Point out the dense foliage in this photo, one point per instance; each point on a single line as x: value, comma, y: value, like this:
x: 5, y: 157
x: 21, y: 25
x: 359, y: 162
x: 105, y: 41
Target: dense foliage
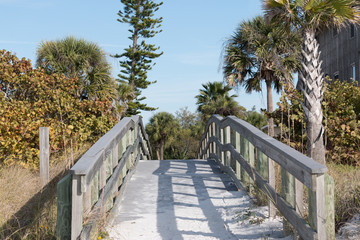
x: 261, y: 52
x: 162, y: 128
x: 215, y: 98
x: 342, y: 121
x: 136, y: 60
x: 175, y: 137
x: 30, y: 98
x: 81, y: 60
x: 256, y: 119
x: 185, y: 143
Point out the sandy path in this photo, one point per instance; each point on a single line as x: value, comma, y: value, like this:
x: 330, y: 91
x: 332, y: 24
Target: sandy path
x: 187, y: 199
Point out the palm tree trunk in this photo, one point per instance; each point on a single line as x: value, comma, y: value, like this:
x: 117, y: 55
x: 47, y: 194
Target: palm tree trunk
x: 162, y: 143
x: 270, y: 107
x: 158, y: 153
x: 311, y: 84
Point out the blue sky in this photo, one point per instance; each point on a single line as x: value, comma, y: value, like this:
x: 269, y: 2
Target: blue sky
x: 193, y: 35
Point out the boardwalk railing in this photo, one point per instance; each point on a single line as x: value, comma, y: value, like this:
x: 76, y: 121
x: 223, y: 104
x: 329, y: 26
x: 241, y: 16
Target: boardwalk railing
x: 95, y: 181
x: 248, y: 156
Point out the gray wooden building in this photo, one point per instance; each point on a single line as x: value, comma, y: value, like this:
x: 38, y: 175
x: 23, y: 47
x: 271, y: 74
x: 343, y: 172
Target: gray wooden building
x: 340, y: 53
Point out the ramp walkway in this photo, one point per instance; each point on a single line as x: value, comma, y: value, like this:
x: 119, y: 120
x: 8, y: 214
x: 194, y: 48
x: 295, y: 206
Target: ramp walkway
x: 187, y: 199
x: 195, y: 199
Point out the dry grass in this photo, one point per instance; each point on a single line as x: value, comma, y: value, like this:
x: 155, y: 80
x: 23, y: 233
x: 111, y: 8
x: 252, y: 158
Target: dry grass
x: 26, y: 210
x: 347, y: 191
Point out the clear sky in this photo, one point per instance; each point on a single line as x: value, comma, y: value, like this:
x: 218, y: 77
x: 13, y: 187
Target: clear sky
x: 192, y: 39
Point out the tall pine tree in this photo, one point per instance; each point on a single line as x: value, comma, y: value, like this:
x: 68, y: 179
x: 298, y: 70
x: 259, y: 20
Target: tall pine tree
x: 137, y: 59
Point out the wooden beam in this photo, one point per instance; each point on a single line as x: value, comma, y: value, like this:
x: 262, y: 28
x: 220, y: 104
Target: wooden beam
x: 76, y: 207
x: 44, y: 155
x: 297, y: 164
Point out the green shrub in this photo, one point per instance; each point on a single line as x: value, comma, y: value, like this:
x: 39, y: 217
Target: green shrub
x: 341, y: 106
x: 30, y: 99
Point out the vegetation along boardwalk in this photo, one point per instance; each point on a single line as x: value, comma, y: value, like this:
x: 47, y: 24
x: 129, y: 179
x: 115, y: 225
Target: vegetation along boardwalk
x: 187, y: 199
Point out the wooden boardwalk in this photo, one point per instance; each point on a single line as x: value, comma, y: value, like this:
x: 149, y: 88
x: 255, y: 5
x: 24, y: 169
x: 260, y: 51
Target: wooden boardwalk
x: 192, y: 199
x: 187, y: 199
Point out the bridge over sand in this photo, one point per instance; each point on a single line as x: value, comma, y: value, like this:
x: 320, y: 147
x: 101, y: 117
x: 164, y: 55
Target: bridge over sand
x: 115, y: 184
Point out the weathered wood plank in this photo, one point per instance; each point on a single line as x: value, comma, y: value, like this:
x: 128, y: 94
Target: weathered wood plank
x: 233, y: 143
x: 288, y: 193
x: 304, y: 230
x: 304, y: 169
x: 227, y: 140
x: 96, y: 213
x: 64, y: 201
x: 238, y: 149
x: 244, y: 151
x: 76, y: 207
x: 115, y: 155
x: 299, y: 165
x: 93, y: 178
x: 44, y: 155
x: 317, y: 214
x: 330, y: 206
x: 251, y: 161
x: 90, y: 162
x: 272, y: 182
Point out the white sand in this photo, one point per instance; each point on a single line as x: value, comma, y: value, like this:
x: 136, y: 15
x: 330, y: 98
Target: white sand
x: 188, y: 200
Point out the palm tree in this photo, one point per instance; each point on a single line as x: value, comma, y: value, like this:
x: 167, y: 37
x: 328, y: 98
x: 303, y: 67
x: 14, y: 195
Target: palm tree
x: 308, y: 17
x: 161, y: 128
x: 77, y: 58
x: 214, y: 98
x: 260, y: 52
x: 125, y: 94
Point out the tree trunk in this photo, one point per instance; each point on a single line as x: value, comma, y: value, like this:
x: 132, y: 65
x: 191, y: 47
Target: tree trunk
x: 157, y: 153
x: 270, y: 109
x: 133, y: 60
x: 134, y: 49
x: 311, y: 85
x: 162, y: 143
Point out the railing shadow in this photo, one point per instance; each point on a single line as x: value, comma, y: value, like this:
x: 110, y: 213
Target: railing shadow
x: 187, y: 196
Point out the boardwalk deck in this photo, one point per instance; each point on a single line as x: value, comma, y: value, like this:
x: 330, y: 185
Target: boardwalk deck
x: 187, y: 199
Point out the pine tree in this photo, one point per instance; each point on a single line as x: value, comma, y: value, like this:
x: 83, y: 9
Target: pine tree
x: 137, y: 59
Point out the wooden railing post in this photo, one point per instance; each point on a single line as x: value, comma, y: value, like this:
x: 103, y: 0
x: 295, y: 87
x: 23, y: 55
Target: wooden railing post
x: 218, y: 136
x: 321, y: 207
x: 44, y: 155
x: 227, y: 139
x: 317, y: 214
x: 238, y: 149
x: 252, y: 164
x: 222, y: 140
x: 272, y: 182
x: 288, y: 193
x: 244, y: 151
x: 299, y: 195
x: 77, y: 207
x: 330, y: 206
x: 94, y: 180
x: 213, y: 134
x: 207, y: 140
x: 233, y: 143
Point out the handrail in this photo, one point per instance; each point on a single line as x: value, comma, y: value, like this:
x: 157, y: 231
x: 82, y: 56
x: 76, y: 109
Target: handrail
x: 94, y: 181
x: 221, y: 141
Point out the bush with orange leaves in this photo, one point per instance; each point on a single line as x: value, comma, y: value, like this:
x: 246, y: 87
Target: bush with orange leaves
x: 30, y: 99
